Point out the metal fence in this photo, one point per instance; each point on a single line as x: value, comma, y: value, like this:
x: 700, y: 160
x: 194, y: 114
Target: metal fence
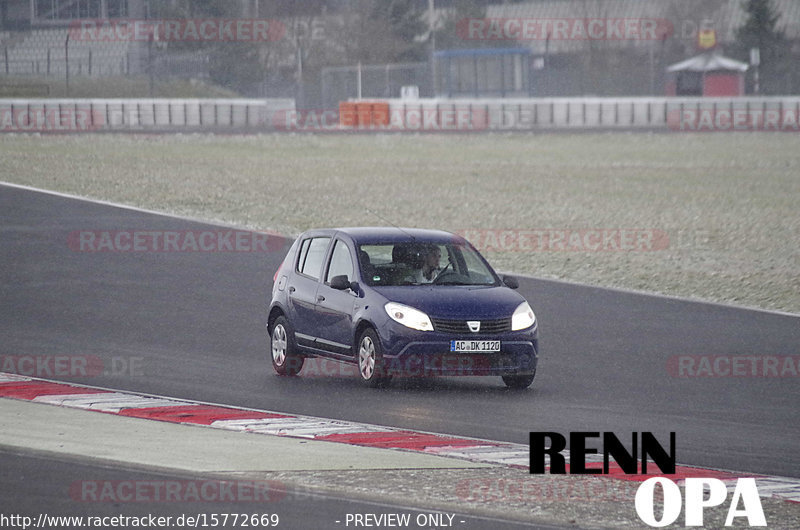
x: 82, y: 63
x: 373, y: 81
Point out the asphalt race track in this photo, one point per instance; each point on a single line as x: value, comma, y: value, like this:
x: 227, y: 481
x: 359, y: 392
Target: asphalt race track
x: 44, y: 476
x: 191, y: 324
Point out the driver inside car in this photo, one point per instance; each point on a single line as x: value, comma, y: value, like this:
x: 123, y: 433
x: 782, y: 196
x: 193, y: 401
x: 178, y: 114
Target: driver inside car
x: 431, y: 256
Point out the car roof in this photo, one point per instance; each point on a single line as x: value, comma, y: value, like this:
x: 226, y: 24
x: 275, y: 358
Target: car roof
x: 391, y: 234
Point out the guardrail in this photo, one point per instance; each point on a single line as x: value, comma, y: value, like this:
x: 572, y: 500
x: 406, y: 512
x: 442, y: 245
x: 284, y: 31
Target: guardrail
x: 397, y: 115
x: 541, y: 114
x: 157, y: 115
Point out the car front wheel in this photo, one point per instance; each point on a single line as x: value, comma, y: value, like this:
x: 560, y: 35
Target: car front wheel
x: 285, y: 359
x: 519, y: 382
x: 370, y: 360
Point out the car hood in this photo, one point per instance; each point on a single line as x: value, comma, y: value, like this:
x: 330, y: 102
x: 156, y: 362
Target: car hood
x: 456, y: 302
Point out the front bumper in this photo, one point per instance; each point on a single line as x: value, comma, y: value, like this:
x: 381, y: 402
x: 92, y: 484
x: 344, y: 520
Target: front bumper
x: 408, y: 352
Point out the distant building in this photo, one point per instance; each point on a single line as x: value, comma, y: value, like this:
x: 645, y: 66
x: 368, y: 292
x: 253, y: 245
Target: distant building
x: 708, y: 74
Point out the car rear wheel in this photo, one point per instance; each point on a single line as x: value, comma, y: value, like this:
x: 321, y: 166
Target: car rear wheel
x: 519, y: 382
x: 285, y: 359
x: 370, y: 360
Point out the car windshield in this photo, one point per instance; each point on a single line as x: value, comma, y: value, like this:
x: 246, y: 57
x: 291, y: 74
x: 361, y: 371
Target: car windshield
x: 423, y: 263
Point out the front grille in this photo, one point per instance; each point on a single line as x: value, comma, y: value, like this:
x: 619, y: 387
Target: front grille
x: 460, y: 326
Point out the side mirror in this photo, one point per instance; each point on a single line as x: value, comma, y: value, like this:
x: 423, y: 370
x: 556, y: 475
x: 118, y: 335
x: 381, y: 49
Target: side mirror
x: 511, y: 282
x: 340, y: 283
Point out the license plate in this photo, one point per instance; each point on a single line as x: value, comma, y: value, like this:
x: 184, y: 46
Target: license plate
x: 475, y: 345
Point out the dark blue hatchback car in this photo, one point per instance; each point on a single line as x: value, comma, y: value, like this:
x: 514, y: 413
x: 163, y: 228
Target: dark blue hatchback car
x: 399, y: 301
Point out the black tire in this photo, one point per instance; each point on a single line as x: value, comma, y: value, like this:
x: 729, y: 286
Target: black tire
x: 283, y: 351
x: 370, y: 360
x: 519, y: 382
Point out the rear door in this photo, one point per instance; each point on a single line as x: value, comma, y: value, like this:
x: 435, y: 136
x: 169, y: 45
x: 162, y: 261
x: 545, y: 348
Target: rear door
x: 303, y: 285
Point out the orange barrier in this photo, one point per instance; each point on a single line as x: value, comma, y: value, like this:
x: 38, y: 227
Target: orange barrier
x: 364, y: 114
x: 380, y: 113
x: 347, y: 114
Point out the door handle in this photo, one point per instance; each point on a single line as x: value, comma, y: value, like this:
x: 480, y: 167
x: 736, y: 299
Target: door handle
x: 320, y: 298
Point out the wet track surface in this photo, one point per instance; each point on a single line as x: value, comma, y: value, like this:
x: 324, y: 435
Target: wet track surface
x: 191, y: 325
x: 32, y: 485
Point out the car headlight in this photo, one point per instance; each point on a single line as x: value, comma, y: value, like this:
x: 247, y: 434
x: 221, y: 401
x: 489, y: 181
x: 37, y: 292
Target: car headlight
x: 523, y: 317
x: 408, y: 316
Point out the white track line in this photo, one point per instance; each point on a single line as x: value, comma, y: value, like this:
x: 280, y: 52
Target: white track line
x: 291, y: 238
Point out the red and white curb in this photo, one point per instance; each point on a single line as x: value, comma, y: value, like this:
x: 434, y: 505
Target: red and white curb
x: 297, y: 426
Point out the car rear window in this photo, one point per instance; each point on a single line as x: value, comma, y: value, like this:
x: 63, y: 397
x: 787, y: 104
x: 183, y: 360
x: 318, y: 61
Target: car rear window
x: 312, y: 255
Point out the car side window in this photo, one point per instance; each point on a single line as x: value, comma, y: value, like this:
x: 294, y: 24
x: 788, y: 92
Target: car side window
x: 301, y: 255
x: 312, y: 258
x: 341, y: 262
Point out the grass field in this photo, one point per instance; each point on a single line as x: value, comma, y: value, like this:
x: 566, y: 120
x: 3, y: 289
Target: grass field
x: 728, y: 203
